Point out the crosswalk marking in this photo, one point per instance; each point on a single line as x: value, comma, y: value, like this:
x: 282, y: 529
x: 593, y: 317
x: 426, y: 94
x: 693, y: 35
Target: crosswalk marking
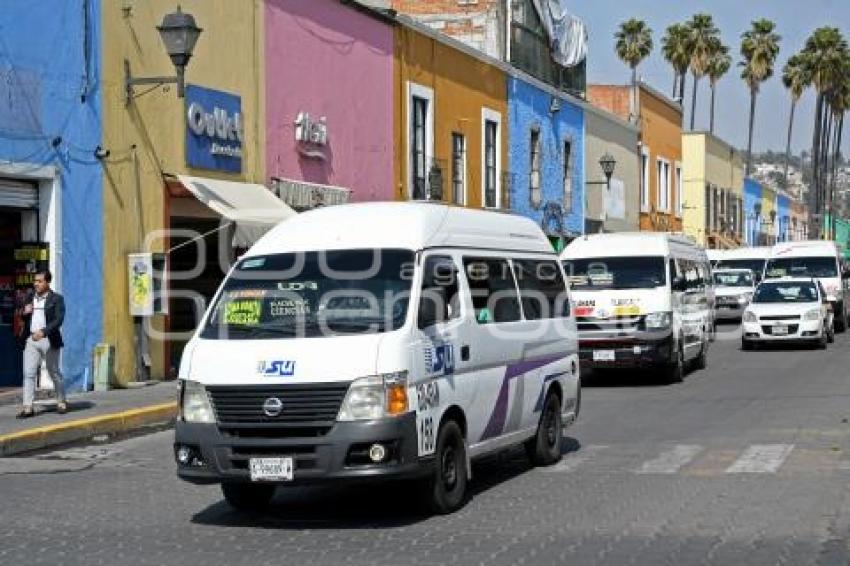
x: 671, y: 461
x: 573, y: 460
x: 761, y: 459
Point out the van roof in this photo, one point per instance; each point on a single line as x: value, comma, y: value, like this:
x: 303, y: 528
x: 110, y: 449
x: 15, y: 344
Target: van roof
x: 402, y: 225
x: 806, y: 248
x: 756, y: 252
x: 627, y: 244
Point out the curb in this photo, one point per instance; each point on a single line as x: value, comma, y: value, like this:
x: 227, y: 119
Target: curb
x: 72, y: 431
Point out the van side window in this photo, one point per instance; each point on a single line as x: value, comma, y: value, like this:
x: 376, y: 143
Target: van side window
x: 542, y: 289
x: 493, y: 290
x: 440, y: 298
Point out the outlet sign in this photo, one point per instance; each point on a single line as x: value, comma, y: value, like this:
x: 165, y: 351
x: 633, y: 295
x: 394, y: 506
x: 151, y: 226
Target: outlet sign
x: 214, y: 129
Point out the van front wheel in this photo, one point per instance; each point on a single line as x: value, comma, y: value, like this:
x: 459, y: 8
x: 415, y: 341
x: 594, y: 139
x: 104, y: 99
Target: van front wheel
x: 544, y: 449
x: 248, y: 496
x: 447, y: 487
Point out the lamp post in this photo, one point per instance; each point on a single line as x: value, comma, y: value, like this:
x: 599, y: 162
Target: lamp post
x: 179, y: 33
x: 608, y: 163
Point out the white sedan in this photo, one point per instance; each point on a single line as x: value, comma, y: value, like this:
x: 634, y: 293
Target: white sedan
x: 793, y: 309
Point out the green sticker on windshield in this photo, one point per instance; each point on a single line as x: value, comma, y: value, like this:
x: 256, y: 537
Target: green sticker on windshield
x: 245, y: 312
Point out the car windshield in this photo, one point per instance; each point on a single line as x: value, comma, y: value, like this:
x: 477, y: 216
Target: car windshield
x: 786, y: 292
x: 313, y: 294
x: 754, y: 265
x: 734, y: 279
x: 594, y: 274
x: 802, y: 267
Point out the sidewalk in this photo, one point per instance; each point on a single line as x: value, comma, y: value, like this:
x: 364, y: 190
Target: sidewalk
x: 90, y: 414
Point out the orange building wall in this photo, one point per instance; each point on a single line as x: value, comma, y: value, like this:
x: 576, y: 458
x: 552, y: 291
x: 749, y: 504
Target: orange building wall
x: 661, y: 132
x: 613, y: 98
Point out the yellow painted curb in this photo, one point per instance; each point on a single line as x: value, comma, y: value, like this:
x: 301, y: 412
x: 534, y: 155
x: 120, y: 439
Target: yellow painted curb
x: 61, y: 433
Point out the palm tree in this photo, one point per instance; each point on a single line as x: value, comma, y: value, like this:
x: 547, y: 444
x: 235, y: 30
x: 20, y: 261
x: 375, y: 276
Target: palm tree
x: 826, y: 52
x: 702, y: 36
x: 634, y: 44
x: 795, y: 77
x: 718, y: 65
x: 674, y: 47
x: 759, y: 48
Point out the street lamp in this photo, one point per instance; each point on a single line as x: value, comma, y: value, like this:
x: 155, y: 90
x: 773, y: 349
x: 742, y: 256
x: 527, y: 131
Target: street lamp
x: 179, y: 33
x: 608, y: 163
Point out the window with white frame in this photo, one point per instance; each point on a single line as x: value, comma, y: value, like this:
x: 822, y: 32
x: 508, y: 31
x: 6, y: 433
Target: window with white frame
x: 491, y: 122
x: 644, y: 179
x: 420, y: 138
x: 458, y: 168
x: 534, y: 168
x: 680, y: 192
x: 663, y: 171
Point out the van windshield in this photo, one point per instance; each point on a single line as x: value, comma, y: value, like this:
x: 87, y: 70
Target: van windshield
x: 754, y: 265
x: 802, y: 267
x: 313, y: 294
x: 733, y: 279
x: 596, y: 274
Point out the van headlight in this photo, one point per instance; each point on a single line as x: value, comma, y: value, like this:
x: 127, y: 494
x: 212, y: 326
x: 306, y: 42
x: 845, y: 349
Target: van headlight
x: 813, y: 314
x: 750, y: 316
x: 195, y: 404
x: 659, y: 320
x: 375, y: 397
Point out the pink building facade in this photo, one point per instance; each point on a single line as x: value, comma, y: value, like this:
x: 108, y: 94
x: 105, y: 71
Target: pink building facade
x: 329, y: 102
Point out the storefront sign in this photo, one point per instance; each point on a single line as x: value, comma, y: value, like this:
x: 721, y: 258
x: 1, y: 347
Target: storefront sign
x: 311, y: 135
x: 214, y: 129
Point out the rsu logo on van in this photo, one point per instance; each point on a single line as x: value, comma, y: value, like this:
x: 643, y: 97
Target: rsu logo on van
x: 274, y: 368
x: 440, y: 359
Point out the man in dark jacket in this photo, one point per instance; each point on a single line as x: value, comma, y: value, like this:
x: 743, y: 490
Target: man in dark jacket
x: 44, y: 312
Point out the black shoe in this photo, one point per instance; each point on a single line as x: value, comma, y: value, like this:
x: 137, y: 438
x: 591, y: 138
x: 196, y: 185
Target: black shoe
x: 25, y: 414
x: 62, y: 408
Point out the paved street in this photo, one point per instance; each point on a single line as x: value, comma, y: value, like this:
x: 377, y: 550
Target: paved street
x: 746, y: 462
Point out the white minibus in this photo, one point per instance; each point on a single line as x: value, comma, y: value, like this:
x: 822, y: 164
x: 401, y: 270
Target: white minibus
x: 380, y: 341
x: 752, y: 258
x: 641, y: 300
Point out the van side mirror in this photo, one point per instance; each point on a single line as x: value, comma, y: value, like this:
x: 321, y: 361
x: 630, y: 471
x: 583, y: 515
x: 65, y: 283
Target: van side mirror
x: 679, y: 284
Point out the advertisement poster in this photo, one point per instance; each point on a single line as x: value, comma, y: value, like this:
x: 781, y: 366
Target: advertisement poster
x: 141, y: 284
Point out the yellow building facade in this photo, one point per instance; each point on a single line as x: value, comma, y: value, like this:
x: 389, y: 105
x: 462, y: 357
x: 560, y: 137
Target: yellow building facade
x: 146, y: 137
x: 451, y: 120
x: 713, y: 185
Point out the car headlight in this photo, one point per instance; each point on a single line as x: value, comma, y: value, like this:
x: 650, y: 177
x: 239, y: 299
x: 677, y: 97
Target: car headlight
x: 195, y: 404
x: 375, y: 397
x: 658, y: 320
x: 813, y: 314
x: 750, y: 316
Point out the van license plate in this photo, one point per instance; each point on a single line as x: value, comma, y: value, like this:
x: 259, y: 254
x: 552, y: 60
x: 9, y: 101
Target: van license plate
x: 603, y: 356
x: 780, y: 330
x: 271, y: 469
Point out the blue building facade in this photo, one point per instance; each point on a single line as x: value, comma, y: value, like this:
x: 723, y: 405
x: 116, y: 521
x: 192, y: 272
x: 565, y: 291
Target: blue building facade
x: 752, y: 211
x: 783, y: 217
x: 546, y: 158
x: 50, y: 178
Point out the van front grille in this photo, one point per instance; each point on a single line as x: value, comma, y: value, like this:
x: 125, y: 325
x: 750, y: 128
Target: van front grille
x: 301, y: 406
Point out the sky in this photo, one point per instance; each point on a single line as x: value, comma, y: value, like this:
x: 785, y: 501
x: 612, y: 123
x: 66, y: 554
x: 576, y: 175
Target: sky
x: 795, y: 21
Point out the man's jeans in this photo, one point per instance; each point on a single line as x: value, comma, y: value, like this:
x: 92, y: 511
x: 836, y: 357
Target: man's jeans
x: 34, y: 353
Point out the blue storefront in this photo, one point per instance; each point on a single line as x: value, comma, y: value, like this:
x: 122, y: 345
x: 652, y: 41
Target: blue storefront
x: 546, y: 158
x: 50, y: 172
x: 752, y: 211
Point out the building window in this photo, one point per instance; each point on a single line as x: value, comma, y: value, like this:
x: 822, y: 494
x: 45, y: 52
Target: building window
x: 644, y: 179
x: 534, y: 175
x: 680, y: 192
x: 663, y: 171
x: 458, y: 168
x: 420, y: 139
x: 568, y: 176
x: 708, y: 204
x: 491, y: 122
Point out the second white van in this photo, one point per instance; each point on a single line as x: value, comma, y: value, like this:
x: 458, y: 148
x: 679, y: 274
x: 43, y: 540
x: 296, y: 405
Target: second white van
x: 641, y: 300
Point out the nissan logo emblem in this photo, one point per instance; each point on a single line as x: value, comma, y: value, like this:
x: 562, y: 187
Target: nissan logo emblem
x: 272, y: 407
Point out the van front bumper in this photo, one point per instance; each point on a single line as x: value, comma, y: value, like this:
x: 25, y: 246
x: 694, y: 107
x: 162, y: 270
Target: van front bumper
x: 341, y: 454
x: 644, y: 349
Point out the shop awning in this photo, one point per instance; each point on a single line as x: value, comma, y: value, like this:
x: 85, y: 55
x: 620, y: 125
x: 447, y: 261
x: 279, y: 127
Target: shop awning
x: 252, y: 208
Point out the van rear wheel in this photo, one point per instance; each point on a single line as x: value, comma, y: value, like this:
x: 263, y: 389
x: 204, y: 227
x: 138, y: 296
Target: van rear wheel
x: 841, y: 321
x: 544, y: 449
x: 248, y: 496
x: 675, y: 373
x: 447, y: 487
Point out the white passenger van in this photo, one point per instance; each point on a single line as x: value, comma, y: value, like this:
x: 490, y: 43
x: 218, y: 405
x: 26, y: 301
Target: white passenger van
x: 819, y: 259
x: 375, y: 342
x: 640, y: 300
x: 753, y: 259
